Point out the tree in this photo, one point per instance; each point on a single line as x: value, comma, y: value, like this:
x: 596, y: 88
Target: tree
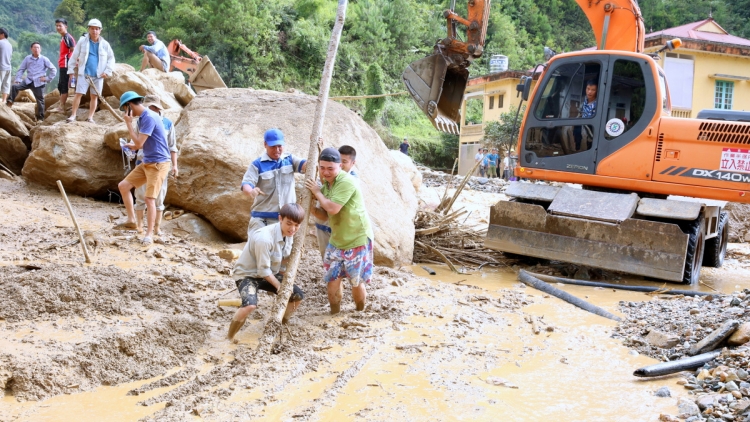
x: 374, y: 106
x: 503, y: 133
x: 71, y: 11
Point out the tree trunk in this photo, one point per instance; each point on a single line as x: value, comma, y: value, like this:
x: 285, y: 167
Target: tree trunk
x: 273, y: 326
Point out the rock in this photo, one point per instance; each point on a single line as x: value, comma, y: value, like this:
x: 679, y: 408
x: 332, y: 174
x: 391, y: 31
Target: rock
x: 26, y: 96
x: 741, y: 373
x: 687, y: 408
x: 662, y: 340
x: 708, y: 400
x: 663, y: 392
x: 12, y: 123
x: 138, y: 82
x: 173, y: 82
x: 221, y: 131
x: 740, y: 337
x: 26, y: 111
x: 739, y: 215
x: 407, y: 164
x: 731, y: 386
x: 51, y: 98
x: 75, y: 154
x: 193, y: 226
x: 113, y: 135
x: 13, y: 152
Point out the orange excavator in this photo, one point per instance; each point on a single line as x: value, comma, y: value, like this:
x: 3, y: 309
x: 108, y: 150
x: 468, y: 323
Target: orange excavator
x: 653, y: 186
x: 201, y: 72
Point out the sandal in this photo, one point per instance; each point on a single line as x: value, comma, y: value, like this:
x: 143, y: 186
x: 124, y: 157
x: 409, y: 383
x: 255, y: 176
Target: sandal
x: 147, y: 240
x: 90, y: 120
x: 126, y: 226
x: 70, y: 119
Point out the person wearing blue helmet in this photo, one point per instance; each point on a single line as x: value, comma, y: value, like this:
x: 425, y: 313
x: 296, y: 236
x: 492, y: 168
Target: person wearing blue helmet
x: 152, y: 137
x: 269, y: 181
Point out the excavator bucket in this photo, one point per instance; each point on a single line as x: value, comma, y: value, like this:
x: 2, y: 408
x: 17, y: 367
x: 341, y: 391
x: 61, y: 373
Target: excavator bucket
x: 437, y: 87
x: 205, y: 76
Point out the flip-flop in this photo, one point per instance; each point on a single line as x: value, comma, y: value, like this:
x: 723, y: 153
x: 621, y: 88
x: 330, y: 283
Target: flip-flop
x: 167, y: 215
x: 70, y: 119
x: 177, y: 214
x: 91, y: 120
x: 126, y: 226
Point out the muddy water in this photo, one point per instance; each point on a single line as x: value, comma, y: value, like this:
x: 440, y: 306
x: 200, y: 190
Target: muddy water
x: 424, y: 371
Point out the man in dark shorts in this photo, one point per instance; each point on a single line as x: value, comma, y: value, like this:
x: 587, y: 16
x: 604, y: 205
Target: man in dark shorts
x: 67, y: 43
x: 260, y: 264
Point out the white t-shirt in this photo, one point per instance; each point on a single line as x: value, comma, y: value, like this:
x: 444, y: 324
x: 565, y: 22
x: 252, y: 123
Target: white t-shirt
x: 506, y: 162
x: 478, y: 157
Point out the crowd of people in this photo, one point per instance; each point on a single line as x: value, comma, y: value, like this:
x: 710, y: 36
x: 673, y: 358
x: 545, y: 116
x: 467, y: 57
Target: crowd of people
x: 83, y: 66
x: 492, y: 164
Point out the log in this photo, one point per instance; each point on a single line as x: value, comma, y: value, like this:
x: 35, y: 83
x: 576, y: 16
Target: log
x: 553, y: 279
x: 102, y: 100
x: 75, y: 222
x: 534, y: 282
x: 666, y: 368
x: 711, y: 341
x: 273, y: 326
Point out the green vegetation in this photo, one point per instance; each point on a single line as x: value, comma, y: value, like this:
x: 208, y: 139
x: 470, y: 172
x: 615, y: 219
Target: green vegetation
x: 282, y: 44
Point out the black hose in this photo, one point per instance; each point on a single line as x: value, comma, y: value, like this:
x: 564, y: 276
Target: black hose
x: 674, y: 366
x: 552, y: 279
x: 534, y: 282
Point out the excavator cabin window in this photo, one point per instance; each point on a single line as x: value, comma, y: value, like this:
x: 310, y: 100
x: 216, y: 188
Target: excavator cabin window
x: 627, y: 98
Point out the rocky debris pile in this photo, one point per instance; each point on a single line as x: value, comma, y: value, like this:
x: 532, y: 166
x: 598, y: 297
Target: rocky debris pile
x: 433, y: 178
x: 215, y: 153
x: 739, y: 221
x: 666, y: 328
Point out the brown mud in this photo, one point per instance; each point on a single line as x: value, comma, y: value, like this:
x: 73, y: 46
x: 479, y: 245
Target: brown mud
x: 138, y: 335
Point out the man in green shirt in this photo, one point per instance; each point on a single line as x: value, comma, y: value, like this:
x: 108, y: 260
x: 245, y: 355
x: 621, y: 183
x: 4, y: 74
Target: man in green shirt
x: 349, y: 253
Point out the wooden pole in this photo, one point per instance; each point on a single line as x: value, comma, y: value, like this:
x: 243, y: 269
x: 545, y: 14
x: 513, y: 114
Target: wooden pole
x: 273, y: 326
x: 75, y: 222
x: 102, y: 100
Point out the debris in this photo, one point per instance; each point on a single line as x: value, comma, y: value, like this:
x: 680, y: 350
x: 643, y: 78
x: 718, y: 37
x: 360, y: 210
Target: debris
x: 500, y: 382
x: 675, y: 366
x: 712, y: 341
x: 429, y: 270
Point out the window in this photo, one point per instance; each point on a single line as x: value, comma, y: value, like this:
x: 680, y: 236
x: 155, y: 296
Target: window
x: 664, y: 92
x: 499, y: 101
x: 492, y: 102
x: 723, y: 95
x: 564, y: 95
x: 627, y: 96
x: 680, y: 74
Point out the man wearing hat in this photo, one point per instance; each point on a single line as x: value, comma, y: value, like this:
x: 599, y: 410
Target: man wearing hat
x: 154, y: 55
x: 152, y: 137
x: 6, y: 51
x: 92, y: 57
x: 269, y: 181
x: 153, y: 103
x: 349, y: 252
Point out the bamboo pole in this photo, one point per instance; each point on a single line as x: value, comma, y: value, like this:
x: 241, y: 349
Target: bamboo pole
x: 75, y: 222
x: 273, y: 326
x: 102, y: 101
x: 364, y: 97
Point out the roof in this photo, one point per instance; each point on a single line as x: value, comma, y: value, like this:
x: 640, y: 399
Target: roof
x: 705, y: 30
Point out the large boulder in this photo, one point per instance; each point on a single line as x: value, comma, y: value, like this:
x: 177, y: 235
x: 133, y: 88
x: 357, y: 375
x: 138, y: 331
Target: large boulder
x: 12, y: 124
x: 13, y: 152
x: 138, y: 82
x: 173, y: 82
x: 221, y: 132
x: 119, y: 69
x: 408, y: 166
x: 739, y: 221
x: 74, y: 154
x: 113, y: 135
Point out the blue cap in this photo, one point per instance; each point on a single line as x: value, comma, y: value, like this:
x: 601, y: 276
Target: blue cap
x: 127, y: 97
x: 273, y: 137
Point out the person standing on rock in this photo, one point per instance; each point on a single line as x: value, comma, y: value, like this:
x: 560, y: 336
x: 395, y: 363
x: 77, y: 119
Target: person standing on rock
x: 6, y: 51
x: 261, y: 264
x: 152, y: 137
x: 323, y: 230
x: 93, y: 57
x: 39, y: 70
x: 67, y: 44
x: 269, y: 181
x: 349, y: 252
x: 153, y: 103
x: 404, y: 147
x: 154, y: 55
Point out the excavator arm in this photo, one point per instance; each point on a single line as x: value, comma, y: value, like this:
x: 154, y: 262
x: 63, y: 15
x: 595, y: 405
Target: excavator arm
x: 201, y: 72
x: 437, y: 82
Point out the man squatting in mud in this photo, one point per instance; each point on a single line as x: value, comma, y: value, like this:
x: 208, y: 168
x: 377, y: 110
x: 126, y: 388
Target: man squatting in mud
x: 269, y: 181
x: 349, y: 253
x: 261, y: 263
x: 323, y: 230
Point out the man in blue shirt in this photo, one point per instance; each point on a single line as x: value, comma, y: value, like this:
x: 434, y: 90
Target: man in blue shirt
x: 155, y: 55
x: 39, y: 70
x: 152, y: 137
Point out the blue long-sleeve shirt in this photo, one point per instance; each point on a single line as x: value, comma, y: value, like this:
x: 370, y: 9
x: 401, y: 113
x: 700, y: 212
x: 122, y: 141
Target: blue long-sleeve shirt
x: 35, y: 68
x: 160, y: 50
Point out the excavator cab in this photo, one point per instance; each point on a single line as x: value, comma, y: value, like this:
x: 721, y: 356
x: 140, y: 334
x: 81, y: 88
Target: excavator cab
x: 437, y: 82
x: 201, y: 72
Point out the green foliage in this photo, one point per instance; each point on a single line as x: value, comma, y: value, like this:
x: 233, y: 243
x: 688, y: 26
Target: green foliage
x: 503, y: 133
x: 374, y: 87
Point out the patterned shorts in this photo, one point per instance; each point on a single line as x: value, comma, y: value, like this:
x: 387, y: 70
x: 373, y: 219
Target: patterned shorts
x: 354, y: 264
x: 249, y: 286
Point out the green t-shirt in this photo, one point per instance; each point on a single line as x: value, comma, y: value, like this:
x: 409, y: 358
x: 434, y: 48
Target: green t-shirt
x: 351, y: 226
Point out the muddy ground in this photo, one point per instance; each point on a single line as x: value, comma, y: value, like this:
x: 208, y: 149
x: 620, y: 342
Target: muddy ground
x: 138, y: 335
